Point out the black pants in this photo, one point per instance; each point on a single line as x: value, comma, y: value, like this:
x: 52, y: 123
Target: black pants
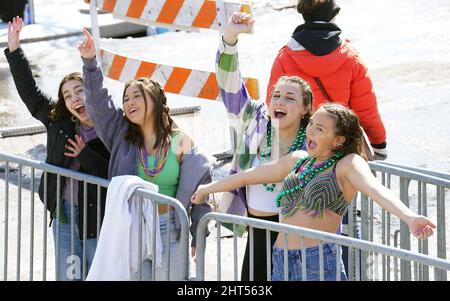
x: 259, y: 252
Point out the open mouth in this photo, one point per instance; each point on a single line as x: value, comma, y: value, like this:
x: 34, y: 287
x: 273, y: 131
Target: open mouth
x: 80, y: 109
x: 132, y: 111
x: 311, y: 145
x: 279, y: 113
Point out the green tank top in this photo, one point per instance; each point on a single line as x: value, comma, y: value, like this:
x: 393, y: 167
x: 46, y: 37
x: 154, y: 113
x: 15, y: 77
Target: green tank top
x: 167, y: 179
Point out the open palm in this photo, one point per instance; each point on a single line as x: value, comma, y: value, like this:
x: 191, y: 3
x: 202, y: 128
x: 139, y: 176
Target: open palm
x: 14, y: 29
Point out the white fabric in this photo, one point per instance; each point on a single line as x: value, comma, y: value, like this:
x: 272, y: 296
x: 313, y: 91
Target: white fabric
x: 259, y: 198
x: 294, y: 45
x: 116, y: 256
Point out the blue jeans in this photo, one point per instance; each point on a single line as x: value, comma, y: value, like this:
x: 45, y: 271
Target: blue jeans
x: 70, y: 265
x: 295, y: 262
x: 176, y: 262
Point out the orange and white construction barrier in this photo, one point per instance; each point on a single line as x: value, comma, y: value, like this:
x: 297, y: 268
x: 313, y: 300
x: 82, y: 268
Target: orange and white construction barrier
x: 176, y: 80
x: 173, y: 13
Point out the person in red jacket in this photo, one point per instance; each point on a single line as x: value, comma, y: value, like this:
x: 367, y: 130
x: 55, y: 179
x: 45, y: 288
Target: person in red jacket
x: 333, y: 68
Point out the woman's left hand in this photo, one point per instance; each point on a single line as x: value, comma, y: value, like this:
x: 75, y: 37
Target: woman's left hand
x: 421, y: 227
x: 76, y: 147
x: 199, y: 197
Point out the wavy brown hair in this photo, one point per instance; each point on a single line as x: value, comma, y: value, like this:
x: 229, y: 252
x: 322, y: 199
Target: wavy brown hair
x: 306, y: 93
x: 347, y: 125
x: 162, y: 121
x: 59, y: 110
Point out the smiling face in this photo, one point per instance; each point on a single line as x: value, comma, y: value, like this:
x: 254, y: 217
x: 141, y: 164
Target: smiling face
x: 146, y: 111
x: 72, y: 92
x: 321, y: 136
x: 287, y: 105
x: 138, y: 105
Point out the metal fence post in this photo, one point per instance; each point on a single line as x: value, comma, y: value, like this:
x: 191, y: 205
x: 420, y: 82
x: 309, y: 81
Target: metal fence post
x: 352, y: 230
x: 365, y: 225
x: 405, y: 243
x: 441, y: 248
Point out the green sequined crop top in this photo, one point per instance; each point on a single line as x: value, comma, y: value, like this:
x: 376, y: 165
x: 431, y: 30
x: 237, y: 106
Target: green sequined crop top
x: 320, y: 194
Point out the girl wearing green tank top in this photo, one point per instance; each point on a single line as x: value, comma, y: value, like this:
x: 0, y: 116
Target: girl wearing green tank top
x: 160, y: 149
x: 144, y: 141
x: 318, y: 186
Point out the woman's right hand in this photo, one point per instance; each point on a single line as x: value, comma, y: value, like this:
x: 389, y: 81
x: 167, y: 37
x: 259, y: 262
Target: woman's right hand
x: 239, y: 22
x: 199, y: 197
x: 87, y: 47
x: 14, y: 29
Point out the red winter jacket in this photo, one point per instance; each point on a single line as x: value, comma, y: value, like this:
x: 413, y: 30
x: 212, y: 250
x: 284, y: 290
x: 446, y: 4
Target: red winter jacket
x: 344, y: 76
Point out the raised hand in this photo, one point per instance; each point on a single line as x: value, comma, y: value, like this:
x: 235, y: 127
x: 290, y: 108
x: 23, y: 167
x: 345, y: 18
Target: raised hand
x: 239, y: 22
x: 87, y: 47
x: 14, y: 29
x: 76, y: 147
x: 421, y: 227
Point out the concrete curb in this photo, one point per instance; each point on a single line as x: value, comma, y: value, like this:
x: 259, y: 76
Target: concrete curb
x: 106, y: 31
x: 45, y: 38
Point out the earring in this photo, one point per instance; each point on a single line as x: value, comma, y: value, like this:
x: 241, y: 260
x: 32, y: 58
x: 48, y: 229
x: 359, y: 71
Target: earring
x: 73, y: 118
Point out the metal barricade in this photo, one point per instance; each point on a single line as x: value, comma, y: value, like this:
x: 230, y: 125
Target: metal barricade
x: 378, y: 251
x: 167, y: 240
x: 32, y: 228
x: 428, y: 199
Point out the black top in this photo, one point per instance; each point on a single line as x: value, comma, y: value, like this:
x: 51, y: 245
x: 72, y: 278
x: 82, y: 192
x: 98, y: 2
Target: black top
x: 93, y: 159
x: 318, y: 38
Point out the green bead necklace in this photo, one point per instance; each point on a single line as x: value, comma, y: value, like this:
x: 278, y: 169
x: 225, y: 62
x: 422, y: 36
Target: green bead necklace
x: 267, y: 151
x: 308, y: 172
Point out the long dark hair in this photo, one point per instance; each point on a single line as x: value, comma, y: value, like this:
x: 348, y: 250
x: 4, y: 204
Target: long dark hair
x: 306, y: 93
x: 162, y: 122
x: 347, y: 125
x: 60, y: 111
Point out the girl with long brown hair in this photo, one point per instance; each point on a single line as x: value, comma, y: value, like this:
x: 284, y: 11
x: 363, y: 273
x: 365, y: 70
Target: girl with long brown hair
x: 318, y: 186
x: 144, y: 141
x: 72, y: 143
x: 264, y: 133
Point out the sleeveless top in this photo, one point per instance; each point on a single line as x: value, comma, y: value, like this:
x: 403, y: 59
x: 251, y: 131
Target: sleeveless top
x: 260, y: 199
x: 322, y: 193
x: 167, y: 179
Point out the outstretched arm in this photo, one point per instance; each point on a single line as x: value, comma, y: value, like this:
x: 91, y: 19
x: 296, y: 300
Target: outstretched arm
x: 274, y: 172
x: 38, y: 103
x: 107, y: 118
x: 233, y: 92
x: 359, y: 175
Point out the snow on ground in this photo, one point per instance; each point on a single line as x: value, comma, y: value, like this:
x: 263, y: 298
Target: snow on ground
x: 404, y: 45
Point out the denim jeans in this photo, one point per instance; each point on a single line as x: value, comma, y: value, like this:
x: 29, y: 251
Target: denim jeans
x: 176, y: 262
x: 70, y: 265
x: 295, y: 262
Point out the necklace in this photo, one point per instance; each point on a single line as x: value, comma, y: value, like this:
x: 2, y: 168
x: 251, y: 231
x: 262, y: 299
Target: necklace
x: 267, y: 151
x: 307, y: 174
x: 160, y: 160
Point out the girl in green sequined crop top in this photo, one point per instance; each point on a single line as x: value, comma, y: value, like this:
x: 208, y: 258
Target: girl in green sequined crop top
x: 319, y: 185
